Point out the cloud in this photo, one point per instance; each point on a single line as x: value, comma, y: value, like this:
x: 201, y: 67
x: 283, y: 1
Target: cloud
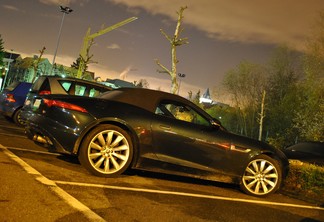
x: 60, y: 2
x: 254, y: 21
x: 124, y: 73
x: 113, y: 46
x: 10, y: 7
x: 55, y: 2
x: 103, y: 71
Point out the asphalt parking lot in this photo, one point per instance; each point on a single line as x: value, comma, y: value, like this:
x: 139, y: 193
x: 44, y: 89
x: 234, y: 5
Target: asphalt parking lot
x: 39, y: 185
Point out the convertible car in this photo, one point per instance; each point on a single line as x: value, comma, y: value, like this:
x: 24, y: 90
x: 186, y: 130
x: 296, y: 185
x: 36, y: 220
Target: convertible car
x: 154, y: 131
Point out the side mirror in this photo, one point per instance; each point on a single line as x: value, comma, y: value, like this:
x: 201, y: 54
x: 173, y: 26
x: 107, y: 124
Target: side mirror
x: 217, y: 124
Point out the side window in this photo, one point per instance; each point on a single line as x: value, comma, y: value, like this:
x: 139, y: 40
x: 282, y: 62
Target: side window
x: 66, y: 86
x: 42, y: 85
x: 160, y: 112
x: 12, y: 86
x: 181, y: 112
x: 38, y: 83
x: 80, y: 90
x: 94, y: 92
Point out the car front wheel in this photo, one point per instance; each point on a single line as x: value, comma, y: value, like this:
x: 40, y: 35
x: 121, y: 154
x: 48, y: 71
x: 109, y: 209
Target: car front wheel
x: 262, y: 176
x: 106, y: 151
x: 17, y: 118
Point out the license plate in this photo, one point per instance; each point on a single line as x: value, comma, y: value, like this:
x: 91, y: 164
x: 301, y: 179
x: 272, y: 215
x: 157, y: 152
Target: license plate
x: 37, y: 104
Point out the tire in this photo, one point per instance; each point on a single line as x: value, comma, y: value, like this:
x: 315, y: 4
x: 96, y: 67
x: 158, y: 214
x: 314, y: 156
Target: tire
x: 262, y: 176
x: 106, y: 151
x: 17, y: 119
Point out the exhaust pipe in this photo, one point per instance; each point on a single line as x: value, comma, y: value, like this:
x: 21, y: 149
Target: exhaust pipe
x: 41, y: 139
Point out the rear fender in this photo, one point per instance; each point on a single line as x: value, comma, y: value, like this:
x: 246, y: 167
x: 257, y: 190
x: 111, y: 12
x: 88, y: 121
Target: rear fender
x: 113, y: 121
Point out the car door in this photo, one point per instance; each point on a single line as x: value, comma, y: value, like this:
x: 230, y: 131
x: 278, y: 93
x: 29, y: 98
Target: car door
x: 186, y: 141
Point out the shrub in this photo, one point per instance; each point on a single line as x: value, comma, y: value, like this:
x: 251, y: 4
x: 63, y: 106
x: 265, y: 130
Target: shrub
x: 306, y: 181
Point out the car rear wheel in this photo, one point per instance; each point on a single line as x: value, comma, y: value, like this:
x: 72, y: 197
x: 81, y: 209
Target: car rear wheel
x: 262, y: 176
x: 106, y: 151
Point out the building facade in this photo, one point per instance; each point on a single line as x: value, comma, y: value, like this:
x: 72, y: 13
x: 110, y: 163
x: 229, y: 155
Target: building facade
x: 27, y: 69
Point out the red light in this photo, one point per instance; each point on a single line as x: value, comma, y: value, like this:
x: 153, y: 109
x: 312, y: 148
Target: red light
x: 45, y: 92
x: 10, y: 98
x: 64, y: 105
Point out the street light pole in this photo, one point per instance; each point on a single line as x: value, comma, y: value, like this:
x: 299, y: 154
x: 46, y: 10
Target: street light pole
x: 181, y: 75
x: 65, y: 10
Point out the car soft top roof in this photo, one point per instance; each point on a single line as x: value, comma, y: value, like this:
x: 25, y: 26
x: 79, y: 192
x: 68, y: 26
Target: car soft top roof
x: 141, y: 97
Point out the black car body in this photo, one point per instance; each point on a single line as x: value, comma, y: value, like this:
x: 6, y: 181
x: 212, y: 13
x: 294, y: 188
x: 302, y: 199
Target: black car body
x: 156, y: 131
x: 58, y: 85
x: 310, y: 152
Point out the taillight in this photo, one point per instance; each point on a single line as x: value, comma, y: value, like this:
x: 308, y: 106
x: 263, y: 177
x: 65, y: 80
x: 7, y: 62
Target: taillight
x: 45, y: 92
x: 10, y: 98
x: 64, y: 105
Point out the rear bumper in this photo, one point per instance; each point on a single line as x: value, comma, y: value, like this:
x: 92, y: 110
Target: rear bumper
x: 6, y: 110
x: 45, y: 141
x: 47, y: 137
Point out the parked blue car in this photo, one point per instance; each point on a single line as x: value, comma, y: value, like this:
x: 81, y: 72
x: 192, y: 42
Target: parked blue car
x: 12, y: 99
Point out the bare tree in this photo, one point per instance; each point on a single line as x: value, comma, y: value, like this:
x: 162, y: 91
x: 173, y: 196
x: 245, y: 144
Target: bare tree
x: 86, y: 59
x: 35, y: 64
x: 261, y: 114
x: 88, y: 42
x: 142, y: 83
x: 175, y: 41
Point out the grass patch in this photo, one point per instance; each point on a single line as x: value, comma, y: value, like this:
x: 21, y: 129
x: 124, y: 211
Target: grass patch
x: 306, y: 181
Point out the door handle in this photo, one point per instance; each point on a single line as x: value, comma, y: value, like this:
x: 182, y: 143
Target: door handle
x: 165, y: 127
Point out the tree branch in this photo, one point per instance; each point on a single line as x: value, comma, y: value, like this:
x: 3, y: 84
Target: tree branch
x: 166, y: 70
x: 166, y: 36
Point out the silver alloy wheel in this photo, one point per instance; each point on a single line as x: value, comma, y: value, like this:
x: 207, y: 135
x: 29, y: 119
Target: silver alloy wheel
x: 108, y: 151
x: 260, y: 177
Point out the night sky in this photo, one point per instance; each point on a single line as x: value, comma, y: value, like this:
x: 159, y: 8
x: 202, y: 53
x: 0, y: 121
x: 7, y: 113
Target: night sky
x: 221, y: 34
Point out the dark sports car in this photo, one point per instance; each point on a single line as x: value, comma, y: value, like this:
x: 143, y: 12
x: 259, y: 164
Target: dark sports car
x: 311, y: 152
x: 155, y: 131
